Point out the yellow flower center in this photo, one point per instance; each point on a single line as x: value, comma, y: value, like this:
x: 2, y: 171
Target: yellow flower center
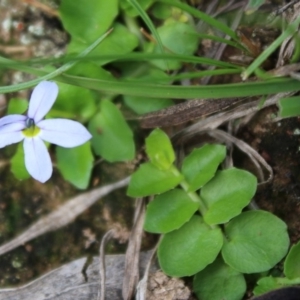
x: 31, y: 131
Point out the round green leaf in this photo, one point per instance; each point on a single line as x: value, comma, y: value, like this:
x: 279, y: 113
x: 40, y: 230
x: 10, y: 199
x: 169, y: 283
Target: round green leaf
x: 76, y: 164
x: 292, y: 262
x: 169, y: 211
x: 219, y: 281
x: 201, y: 165
x: 148, y: 180
x: 177, y: 37
x: 119, y: 41
x: 91, y: 70
x: 189, y: 249
x: 265, y: 285
x: 142, y: 105
x: 69, y: 103
x: 86, y: 22
x: 112, y: 137
x: 256, y: 241
x: 161, y: 10
x: 159, y: 149
x: 227, y: 194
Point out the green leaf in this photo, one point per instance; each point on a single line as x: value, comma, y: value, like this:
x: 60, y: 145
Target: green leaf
x: 88, y: 21
x: 143, y: 105
x: 292, y: 262
x: 75, y: 164
x: 177, y: 38
x: 18, y: 164
x: 148, y: 180
x: 169, y: 211
x: 159, y: 149
x: 227, y: 194
x: 189, y: 249
x: 270, y: 283
x: 119, y: 41
x: 112, y: 137
x: 91, y: 70
x: 265, y: 285
x: 70, y: 104
x: 219, y: 281
x: 161, y: 11
x: 145, y: 73
x: 201, y: 165
x: 17, y: 106
x: 212, y: 21
x: 256, y: 241
x: 289, y: 107
x: 130, y: 10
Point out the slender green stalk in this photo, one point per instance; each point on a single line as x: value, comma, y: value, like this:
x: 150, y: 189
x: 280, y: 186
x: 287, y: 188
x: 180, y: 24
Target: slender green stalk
x: 184, y: 184
x: 55, y: 73
x: 286, y: 281
x: 290, y: 30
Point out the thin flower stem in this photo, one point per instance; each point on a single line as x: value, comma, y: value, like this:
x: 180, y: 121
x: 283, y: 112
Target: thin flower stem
x: 194, y: 196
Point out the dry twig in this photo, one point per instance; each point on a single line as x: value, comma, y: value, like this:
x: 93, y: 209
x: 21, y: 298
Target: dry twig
x: 133, y: 252
x: 108, y: 235
x: 43, y: 7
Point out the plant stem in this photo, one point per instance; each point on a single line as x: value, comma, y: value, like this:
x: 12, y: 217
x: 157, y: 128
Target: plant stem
x: 194, y: 196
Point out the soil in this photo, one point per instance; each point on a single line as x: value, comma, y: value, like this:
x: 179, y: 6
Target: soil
x: 279, y: 143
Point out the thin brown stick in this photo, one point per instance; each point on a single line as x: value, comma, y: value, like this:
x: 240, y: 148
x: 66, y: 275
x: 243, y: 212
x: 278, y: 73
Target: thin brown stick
x: 14, y: 49
x: 43, y: 7
x: 108, y: 235
x: 141, y: 291
x: 148, y: 36
x: 131, y: 272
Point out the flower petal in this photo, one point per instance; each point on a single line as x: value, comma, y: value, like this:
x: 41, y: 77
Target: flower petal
x: 12, y: 119
x: 11, y: 133
x: 42, y: 99
x: 62, y: 132
x: 37, y: 159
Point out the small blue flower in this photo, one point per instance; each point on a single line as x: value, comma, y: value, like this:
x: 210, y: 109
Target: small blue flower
x: 34, y: 130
